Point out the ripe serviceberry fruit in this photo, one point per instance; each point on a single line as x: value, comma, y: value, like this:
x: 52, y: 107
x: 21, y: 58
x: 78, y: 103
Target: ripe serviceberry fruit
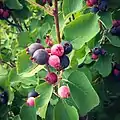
x: 116, y: 23
x: 40, y: 56
x: 94, y: 57
x: 6, y: 14
x: 57, y: 49
x: 4, y: 97
x: 103, y: 5
x: 93, y: 2
x: 67, y: 47
x: 94, y: 9
x: 64, y: 92
x: 31, y: 101
x: 115, y: 31
x: 54, y: 61
x: 97, y: 51
x: 51, y: 78
x: 49, y: 41
x: 64, y: 62
x: 32, y: 94
x: 33, y: 47
x: 116, y: 72
x: 88, y: 3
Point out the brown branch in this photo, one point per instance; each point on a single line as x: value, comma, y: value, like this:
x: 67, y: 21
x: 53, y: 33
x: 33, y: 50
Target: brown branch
x: 56, y: 18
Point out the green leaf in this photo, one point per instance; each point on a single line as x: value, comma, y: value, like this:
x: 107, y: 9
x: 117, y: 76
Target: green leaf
x: 23, y: 62
x: 82, y: 30
x: 13, y: 4
x: 114, y: 40
x: 82, y: 92
x: 45, y: 90
x: 24, y: 39
x: 28, y: 113
x: 71, y: 6
x: 106, y: 18
x: 17, y: 117
x: 3, y: 71
x: 63, y: 111
x: 103, y: 65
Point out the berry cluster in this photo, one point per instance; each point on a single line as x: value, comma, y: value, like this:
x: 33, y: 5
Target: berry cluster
x: 31, y: 98
x: 115, y: 30
x: 3, y: 96
x: 54, y: 56
x: 4, y: 11
x: 97, y: 5
x: 96, y: 52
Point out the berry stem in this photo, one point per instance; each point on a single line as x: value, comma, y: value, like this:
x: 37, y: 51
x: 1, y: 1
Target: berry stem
x: 48, y: 68
x: 56, y: 18
x: 40, y: 6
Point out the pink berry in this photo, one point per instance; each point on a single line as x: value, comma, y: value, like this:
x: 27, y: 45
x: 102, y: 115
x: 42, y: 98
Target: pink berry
x: 116, y: 23
x: 6, y: 14
x: 93, y: 2
x: 64, y: 92
x: 54, y: 61
x: 31, y: 101
x: 1, y: 11
x: 116, y: 72
x: 94, y: 57
x: 57, y: 49
x: 51, y: 78
x: 88, y: 3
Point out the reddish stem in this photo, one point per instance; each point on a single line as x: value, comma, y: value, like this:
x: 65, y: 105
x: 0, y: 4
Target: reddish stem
x: 56, y: 18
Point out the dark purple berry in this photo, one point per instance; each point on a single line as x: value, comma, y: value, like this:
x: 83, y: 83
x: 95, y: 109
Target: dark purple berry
x: 103, y: 5
x: 33, y: 47
x: 67, y: 47
x: 4, y: 97
x: 64, y: 62
x: 97, y: 51
x: 32, y: 94
x: 41, y: 56
x: 115, y: 31
x: 94, y: 9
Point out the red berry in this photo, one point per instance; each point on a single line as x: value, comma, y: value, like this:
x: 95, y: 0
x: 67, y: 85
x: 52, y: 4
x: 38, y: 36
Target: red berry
x: 64, y: 92
x: 51, y: 78
x: 6, y: 14
x: 54, y: 61
x: 57, y: 49
x: 116, y: 72
x: 88, y: 3
x: 116, y: 23
x: 93, y: 2
x: 94, y: 57
x: 31, y: 101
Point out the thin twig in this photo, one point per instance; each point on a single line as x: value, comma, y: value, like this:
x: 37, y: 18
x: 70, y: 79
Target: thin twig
x: 12, y: 24
x: 1, y: 61
x: 40, y: 6
x: 56, y: 18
